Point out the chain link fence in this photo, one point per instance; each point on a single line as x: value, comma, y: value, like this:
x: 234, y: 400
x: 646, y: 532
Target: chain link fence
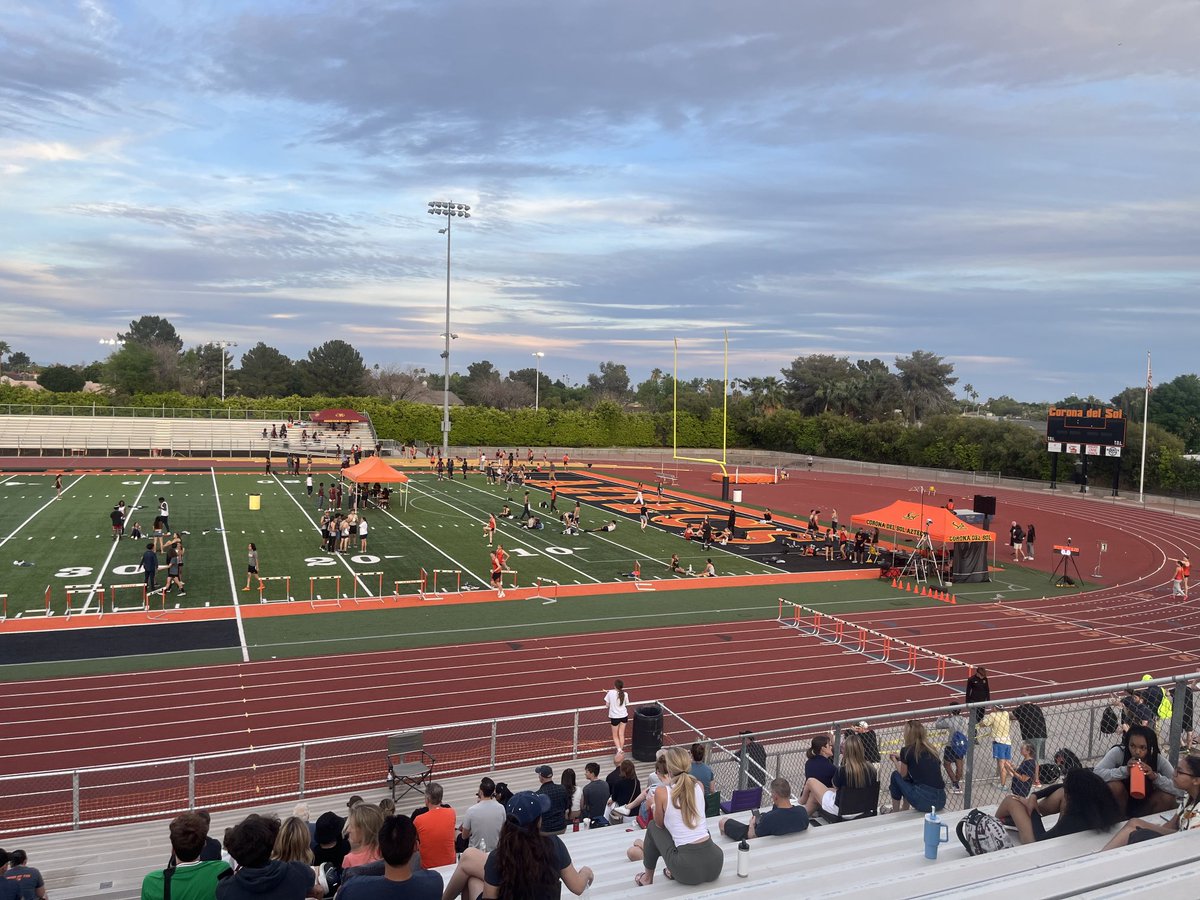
x: 87, y: 796
x: 1055, y: 731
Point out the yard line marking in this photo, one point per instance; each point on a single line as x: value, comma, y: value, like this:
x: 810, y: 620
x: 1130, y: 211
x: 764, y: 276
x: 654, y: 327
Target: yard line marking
x: 515, y: 540
x: 39, y: 509
x: 337, y: 556
x: 111, y: 550
x: 237, y: 606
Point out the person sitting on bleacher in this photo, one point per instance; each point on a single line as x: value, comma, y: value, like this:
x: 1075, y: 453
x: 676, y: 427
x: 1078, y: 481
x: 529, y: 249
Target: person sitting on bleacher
x: 508, y: 870
x: 250, y: 843
x: 1187, y: 778
x: 397, y: 843
x: 595, y: 796
x: 855, y: 790
x: 1139, y: 748
x: 192, y: 876
x: 917, y: 781
x: 679, y: 832
x: 1083, y: 803
x: 781, y: 818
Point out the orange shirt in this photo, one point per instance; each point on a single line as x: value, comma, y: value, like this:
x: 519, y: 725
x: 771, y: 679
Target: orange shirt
x: 435, y: 829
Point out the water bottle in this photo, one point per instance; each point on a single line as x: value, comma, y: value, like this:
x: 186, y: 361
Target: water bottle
x: 743, y: 860
x: 936, y: 833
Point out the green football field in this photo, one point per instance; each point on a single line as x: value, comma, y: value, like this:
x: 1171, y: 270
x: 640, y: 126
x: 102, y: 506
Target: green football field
x: 67, y: 542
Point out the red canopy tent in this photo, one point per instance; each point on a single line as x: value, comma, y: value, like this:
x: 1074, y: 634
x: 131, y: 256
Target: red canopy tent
x: 968, y: 544
x: 336, y: 417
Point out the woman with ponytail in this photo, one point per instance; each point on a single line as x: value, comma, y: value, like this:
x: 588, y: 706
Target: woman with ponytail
x: 617, y: 702
x: 679, y: 831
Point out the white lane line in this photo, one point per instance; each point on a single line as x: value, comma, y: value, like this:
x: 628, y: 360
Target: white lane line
x: 338, y: 556
x: 237, y: 607
x: 17, y: 530
x: 96, y: 586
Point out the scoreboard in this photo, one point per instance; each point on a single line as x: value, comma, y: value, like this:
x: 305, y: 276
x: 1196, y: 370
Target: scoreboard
x: 1094, y: 430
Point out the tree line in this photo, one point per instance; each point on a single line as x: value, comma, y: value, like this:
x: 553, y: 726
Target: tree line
x: 912, y: 390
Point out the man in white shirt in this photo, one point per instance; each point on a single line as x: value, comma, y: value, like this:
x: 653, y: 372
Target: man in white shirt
x: 482, y: 822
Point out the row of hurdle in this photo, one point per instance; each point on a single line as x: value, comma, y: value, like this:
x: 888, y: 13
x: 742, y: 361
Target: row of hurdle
x: 899, y: 653
x: 364, y: 587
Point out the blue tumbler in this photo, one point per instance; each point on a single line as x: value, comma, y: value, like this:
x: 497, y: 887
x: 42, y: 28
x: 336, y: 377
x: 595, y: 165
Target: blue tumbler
x: 936, y: 833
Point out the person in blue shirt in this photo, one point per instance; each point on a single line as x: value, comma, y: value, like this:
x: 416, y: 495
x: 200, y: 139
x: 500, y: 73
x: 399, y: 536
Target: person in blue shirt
x: 397, y: 842
x: 781, y: 818
x: 700, y: 769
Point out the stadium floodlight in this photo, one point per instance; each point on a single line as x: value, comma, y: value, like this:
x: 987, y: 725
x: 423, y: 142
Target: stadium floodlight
x: 451, y: 211
x: 223, y: 345
x: 537, y: 376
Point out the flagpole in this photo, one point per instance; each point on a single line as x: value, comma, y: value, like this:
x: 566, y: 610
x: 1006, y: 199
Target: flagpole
x: 1145, y: 429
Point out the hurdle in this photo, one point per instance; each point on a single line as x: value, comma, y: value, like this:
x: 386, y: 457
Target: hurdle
x: 513, y: 573
x: 377, y: 597
x: 313, y: 596
x: 910, y: 658
x: 140, y: 587
x: 287, y: 589
x: 457, y: 573
x: 419, y: 582
x: 546, y: 598
x: 73, y: 589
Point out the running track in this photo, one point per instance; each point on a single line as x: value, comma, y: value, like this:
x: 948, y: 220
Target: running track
x: 720, y: 678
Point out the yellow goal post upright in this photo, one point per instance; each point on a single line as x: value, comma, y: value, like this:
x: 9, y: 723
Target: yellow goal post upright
x: 724, y: 420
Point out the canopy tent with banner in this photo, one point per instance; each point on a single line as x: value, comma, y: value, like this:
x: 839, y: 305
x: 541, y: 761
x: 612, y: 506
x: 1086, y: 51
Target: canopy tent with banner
x: 373, y: 470
x: 967, y: 544
x: 336, y: 417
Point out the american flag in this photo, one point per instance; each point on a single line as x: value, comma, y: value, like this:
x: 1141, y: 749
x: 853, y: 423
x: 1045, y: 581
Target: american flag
x: 1149, y: 374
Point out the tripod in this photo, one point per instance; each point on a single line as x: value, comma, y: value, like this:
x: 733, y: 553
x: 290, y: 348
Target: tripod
x: 1061, y: 576
x: 918, y: 566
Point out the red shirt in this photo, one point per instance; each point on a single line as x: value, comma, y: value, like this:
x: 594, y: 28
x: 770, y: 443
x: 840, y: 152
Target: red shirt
x: 435, y: 829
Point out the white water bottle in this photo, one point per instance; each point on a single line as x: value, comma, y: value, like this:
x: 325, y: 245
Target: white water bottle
x: 743, y: 860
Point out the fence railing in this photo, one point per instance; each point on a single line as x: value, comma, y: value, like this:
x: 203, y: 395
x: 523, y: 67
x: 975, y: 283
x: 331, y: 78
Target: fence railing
x: 87, y: 796
x: 148, y: 412
x: 1073, y: 721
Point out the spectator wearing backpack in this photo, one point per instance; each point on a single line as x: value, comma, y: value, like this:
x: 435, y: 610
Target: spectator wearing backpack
x: 917, y: 781
x: 954, y: 754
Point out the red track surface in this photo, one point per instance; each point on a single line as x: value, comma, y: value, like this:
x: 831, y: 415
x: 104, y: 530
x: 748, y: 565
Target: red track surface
x: 721, y: 678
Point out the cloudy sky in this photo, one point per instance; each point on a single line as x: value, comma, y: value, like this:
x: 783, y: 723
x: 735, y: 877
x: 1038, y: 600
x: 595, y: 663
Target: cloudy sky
x: 1012, y: 185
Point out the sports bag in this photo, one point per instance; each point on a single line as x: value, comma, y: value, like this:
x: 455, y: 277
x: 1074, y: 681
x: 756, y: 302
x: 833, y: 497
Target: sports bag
x: 982, y: 833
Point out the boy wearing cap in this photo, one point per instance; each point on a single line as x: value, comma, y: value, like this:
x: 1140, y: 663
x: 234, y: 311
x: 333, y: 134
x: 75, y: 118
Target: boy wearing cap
x: 554, y: 819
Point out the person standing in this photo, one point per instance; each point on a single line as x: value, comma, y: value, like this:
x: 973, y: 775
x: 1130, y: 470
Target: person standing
x: 617, y: 702
x: 1016, y: 538
x: 149, y: 565
x: 58, y: 486
x: 164, y: 513
x: 489, y: 530
x: 978, y: 691
x: 362, y: 534
x: 118, y: 522
x: 1030, y: 536
x: 321, y: 496
x: 251, y: 564
x: 308, y: 483
x: 554, y: 498
x: 638, y: 500
x: 1177, y: 589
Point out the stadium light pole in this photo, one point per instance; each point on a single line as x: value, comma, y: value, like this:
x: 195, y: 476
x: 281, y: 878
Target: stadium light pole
x: 537, y: 376
x: 450, y: 211
x: 223, y: 345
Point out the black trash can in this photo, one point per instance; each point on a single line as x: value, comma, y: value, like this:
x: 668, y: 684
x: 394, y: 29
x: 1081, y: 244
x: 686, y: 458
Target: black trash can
x: 647, y: 733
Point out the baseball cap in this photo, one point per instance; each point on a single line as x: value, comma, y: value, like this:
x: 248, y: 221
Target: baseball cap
x: 863, y: 724
x: 544, y: 772
x: 527, y: 807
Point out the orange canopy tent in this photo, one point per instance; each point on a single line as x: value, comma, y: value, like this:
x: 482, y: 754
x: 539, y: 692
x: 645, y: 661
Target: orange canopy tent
x: 371, y: 470
x: 968, y: 554
x: 908, y: 518
x: 374, y: 470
